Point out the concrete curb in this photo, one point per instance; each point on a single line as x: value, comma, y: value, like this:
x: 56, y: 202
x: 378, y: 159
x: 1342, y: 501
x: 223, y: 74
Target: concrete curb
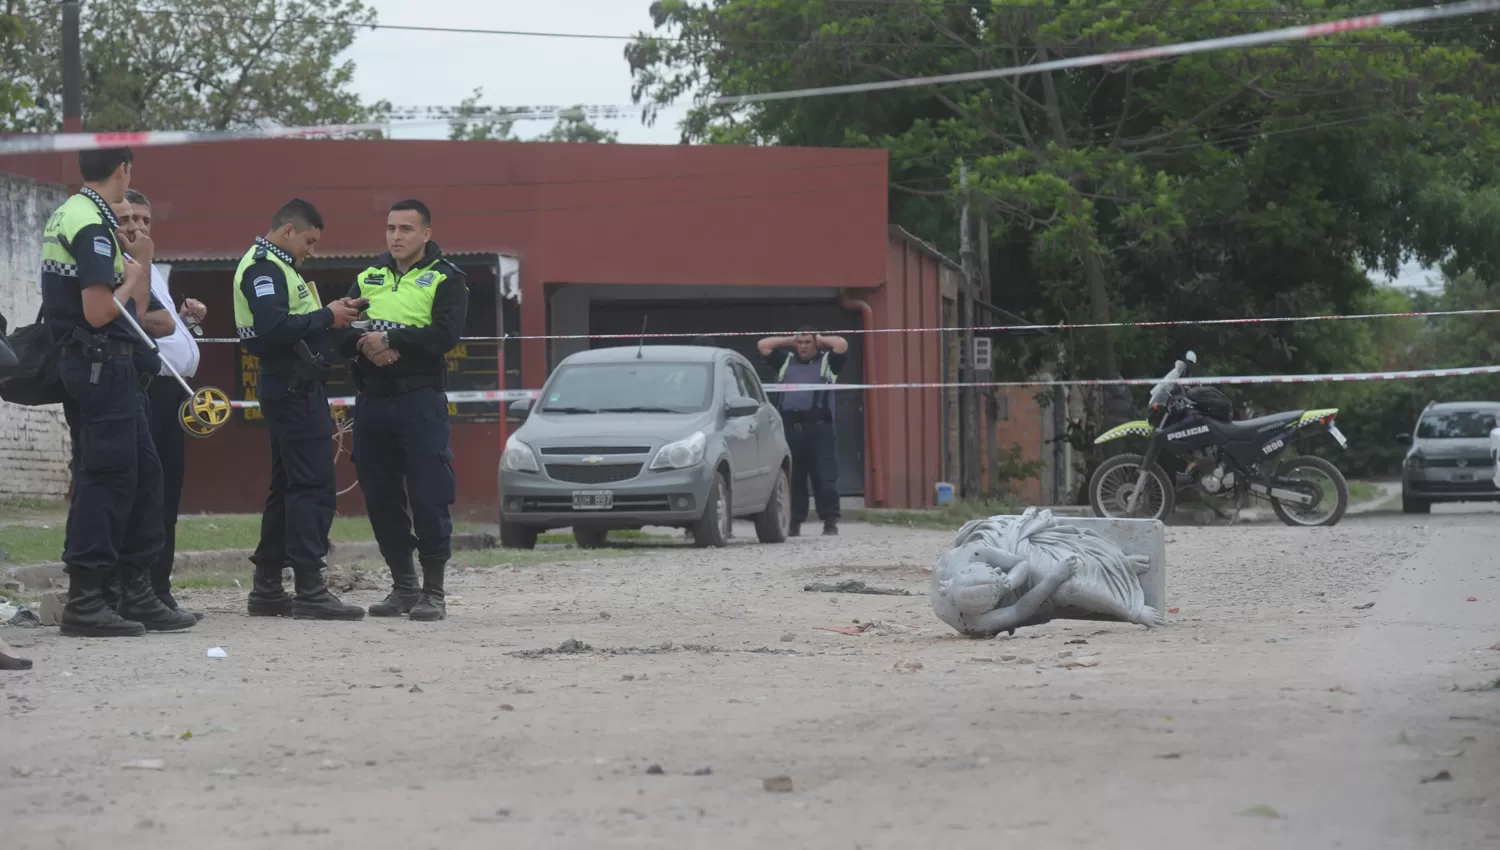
x: 43, y: 576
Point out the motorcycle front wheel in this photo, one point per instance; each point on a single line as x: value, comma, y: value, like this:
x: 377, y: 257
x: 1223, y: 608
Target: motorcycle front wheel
x: 1116, y: 479
x: 1317, y: 478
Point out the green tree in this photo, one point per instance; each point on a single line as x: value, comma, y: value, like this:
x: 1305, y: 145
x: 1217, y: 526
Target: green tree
x: 191, y: 64
x: 13, y: 91
x: 1230, y: 183
x: 574, y: 126
x: 475, y: 123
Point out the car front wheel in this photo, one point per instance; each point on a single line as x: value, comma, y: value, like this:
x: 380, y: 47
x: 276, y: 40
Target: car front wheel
x: 773, y: 524
x: 713, y: 528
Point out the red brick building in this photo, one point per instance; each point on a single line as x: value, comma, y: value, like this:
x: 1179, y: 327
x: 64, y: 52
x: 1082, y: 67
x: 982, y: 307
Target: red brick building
x: 571, y: 239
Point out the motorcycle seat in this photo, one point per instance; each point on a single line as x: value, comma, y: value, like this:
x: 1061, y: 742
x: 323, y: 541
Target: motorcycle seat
x: 1249, y: 428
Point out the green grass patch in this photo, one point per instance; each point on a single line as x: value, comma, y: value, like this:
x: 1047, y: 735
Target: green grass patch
x: 947, y: 518
x: 33, y: 544
x: 1363, y: 491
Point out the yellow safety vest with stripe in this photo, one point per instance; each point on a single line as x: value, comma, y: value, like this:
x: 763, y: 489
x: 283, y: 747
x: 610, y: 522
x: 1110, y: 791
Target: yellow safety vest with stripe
x: 75, y: 214
x: 302, y: 297
x: 403, y: 301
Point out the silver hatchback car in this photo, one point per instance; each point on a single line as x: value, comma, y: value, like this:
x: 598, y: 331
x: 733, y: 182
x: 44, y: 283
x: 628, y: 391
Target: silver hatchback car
x: 622, y: 438
x: 1450, y: 459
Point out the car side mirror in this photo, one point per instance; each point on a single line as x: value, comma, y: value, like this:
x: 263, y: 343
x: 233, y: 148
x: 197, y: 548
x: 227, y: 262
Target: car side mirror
x: 738, y: 408
x: 517, y: 411
x: 1403, y: 439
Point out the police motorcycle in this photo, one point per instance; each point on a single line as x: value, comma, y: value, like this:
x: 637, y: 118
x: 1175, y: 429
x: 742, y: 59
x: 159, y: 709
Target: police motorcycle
x: 1220, y: 458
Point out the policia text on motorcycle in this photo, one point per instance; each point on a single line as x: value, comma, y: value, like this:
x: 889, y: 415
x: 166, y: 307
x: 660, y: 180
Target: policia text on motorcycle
x: 114, y: 521
x: 282, y: 322
x: 418, y: 302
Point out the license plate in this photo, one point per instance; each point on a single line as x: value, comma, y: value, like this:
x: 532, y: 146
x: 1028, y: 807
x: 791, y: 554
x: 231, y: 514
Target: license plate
x: 1461, y: 476
x: 593, y: 500
x: 1339, y: 436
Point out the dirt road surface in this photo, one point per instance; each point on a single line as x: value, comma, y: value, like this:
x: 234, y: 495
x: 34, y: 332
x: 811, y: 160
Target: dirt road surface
x: 1269, y: 713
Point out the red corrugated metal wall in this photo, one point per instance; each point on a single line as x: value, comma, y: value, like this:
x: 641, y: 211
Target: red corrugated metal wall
x: 908, y: 426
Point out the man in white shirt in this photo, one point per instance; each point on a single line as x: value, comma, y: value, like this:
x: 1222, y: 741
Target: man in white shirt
x: 180, y: 349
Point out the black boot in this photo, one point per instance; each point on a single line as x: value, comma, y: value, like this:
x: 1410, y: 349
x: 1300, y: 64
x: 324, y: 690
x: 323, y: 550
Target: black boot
x: 268, y: 595
x: 431, y: 608
x: 794, y: 530
x: 138, y: 602
x: 830, y: 527
x: 167, y: 600
x: 315, y: 602
x: 404, y: 592
x: 110, y: 589
x: 86, y: 615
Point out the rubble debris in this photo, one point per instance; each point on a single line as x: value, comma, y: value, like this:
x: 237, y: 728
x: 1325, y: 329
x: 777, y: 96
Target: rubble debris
x: 854, y: 586
x: 777, y: 784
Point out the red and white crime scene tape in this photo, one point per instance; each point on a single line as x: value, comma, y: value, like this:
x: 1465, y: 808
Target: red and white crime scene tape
x: 89, y: 141
x: 978, y: 329
x: 495, y: 396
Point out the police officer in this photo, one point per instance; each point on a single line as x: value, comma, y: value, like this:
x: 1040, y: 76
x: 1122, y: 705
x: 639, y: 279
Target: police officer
x: 282, y: 322
x: 114, y: 521
x: 418, y: 302
x: 809, y: 358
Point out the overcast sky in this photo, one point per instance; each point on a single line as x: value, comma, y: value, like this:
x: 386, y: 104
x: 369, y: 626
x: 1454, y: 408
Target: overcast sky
x: 427, y: 69
x: 423, y: 69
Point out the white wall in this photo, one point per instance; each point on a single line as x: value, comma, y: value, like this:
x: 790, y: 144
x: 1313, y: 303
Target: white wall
x: 34, y: 442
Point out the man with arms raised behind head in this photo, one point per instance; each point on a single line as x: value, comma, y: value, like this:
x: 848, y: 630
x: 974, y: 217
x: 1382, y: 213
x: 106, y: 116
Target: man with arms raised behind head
x: 809, y: 358
x: 282, y: 322
x: 418, y: 302
x: 114, y: 521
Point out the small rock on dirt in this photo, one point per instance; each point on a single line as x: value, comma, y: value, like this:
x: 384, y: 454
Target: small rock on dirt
x: 777, y: 784
x: 788, y: 637
x: 1440, y: 776
x: 145, y: 764
x: 1365, y: 607
x: 416, y: 689
x: 655, y: 770
x: 703, y: 771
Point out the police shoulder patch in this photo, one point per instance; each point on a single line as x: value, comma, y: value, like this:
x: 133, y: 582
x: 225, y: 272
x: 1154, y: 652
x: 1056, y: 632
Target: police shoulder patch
x: 426, y: 279
x: 264, y: 286
x: 104, y: 246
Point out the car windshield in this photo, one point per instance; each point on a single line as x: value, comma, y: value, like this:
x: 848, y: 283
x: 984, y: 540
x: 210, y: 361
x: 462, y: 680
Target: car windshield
x: 633, y: 387
x: 1457, y: 425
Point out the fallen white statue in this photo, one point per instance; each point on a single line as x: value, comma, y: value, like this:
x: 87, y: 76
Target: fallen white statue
x: 1006, y: 572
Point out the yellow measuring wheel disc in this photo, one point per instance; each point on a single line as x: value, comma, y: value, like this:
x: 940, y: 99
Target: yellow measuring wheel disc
x: 210, y: 406
x: 190, y: 423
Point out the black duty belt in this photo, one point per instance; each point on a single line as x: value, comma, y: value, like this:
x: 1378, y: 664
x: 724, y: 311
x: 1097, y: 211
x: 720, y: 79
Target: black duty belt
x: 805, y: 421
x: 382, y: 386
x: 98, y: 347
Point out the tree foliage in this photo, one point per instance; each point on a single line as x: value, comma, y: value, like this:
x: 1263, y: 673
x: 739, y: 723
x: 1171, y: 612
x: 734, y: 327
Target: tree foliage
x: 475, y: 122
x: 1231, y: 183
x: 189, y: 64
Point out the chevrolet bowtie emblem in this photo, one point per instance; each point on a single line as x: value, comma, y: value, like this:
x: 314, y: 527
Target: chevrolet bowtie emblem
x: 1463, y: 461
x: 593, y: 459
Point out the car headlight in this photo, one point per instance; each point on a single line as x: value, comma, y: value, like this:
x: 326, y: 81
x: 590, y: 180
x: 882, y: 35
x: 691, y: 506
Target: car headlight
x: 681, y: 454
x: 518, y: 457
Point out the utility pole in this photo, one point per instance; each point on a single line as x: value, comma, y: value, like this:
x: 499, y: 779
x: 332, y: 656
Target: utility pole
x: 72, y: 69
x: 968, y: 396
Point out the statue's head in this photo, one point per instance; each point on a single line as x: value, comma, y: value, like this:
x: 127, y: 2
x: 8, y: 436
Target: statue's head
x: 965, y: 583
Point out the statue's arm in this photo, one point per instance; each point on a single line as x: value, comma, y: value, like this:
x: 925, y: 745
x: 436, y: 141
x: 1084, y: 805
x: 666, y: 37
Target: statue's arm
x: 1028, y: 606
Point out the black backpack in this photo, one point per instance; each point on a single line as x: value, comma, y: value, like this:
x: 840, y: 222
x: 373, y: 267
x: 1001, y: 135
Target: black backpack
x: 31, y: 377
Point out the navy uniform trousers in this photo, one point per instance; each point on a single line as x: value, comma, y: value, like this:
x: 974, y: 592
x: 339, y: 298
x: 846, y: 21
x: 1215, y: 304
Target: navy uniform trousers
x: 116, y: 516
x: 403, y: 437
x: 299, y: 509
